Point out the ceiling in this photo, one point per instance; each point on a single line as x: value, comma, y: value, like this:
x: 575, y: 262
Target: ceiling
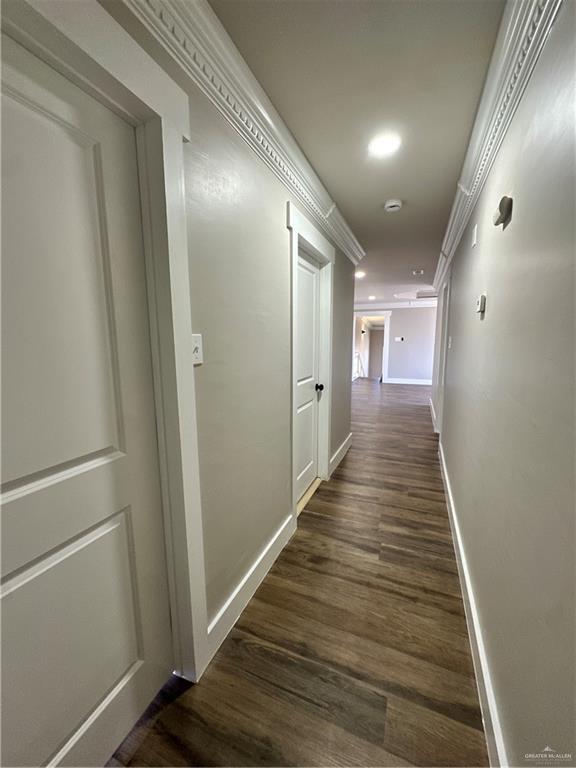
x: 341, y: 71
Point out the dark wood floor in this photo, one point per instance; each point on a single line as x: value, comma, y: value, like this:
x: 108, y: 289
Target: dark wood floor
x: 354, y: 650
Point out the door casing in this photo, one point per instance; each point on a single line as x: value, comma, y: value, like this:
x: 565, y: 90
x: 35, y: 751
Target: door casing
x: 88, y: 46
x: 304, y: 236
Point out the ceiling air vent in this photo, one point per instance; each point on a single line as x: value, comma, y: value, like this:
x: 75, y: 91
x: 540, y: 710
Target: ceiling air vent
x: 391, y: 206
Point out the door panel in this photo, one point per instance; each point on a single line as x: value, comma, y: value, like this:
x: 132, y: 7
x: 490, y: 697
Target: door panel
x: 91, y: 618
x: 306, y: 357
x: 86, y: 626
x: 65, y: 368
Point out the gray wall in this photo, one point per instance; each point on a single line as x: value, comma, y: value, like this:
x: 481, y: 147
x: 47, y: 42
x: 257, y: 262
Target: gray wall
x: 376, y: 349
x: 440, y: 341
x: 342, y: 343
x: 509, y: 422
x: 240, y: 287
x: 413, y: 357
x: 241, y: 303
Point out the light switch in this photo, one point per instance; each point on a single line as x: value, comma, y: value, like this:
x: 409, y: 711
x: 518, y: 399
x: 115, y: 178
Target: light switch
x: 398, y: 338
x: 481, y: 304
x: 197, y: 352
x: 475, y: 236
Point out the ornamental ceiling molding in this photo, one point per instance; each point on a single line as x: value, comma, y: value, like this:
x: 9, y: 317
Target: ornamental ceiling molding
x: 193, y: 35
x: 522, y: 36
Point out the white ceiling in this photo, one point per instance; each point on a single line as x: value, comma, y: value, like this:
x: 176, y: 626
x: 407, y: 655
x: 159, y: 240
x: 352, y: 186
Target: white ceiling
x: 340, y: 72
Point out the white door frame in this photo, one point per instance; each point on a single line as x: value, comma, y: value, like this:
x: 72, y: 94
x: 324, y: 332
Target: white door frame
x: 83, y: 42
x: 444, y: 319
x: 307, y: 237
x: 386, y: 347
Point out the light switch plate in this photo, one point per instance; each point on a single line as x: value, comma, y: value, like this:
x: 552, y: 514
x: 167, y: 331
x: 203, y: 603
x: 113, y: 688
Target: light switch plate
x: 197, y: 351
x: 475, y: 236
x: 481, y: 304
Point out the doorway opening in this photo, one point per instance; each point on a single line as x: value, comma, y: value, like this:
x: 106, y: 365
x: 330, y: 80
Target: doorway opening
x: 312, y: 286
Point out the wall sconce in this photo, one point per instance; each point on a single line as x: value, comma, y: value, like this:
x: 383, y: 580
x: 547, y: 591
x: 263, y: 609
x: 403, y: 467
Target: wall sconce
x: 503, y: 213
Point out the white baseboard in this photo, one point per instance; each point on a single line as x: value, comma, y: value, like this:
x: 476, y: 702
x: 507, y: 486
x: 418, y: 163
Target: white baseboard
x: 340, y: 453
x: 490, y: 717
x: 426, y: 382
x: 230, y: 612
x: 433, y: 414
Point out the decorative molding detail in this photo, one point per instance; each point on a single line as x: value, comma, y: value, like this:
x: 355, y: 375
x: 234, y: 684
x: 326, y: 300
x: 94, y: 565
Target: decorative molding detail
x: 490, y: 716
x: 340, y: 453
x: 523, y: 33
x: 193, y: 35
x: 376, y: 308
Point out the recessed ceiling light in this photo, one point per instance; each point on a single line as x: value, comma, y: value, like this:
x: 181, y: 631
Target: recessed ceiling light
x: 371, y: 298
x: 417, y: 272
x: 359, y: 274
x: 384, y: 145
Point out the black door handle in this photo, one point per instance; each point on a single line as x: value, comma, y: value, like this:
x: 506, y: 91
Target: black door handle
x: 319, y: 387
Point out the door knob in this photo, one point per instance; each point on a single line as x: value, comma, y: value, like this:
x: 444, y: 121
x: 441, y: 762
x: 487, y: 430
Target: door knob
x: 319, y: 387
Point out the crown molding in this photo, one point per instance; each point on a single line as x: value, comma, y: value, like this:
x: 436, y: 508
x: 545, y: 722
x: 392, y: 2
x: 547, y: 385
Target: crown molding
x: 193, y: 35
x: 523, y: 33
x: 376, y: 308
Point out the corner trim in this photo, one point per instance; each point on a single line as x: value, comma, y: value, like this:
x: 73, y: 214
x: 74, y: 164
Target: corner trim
x: 193, y: 36
x: 422, y: 382
x: 522, y: 36
x: 239, y: 598
x: 339, y: 454
x: 490, y: 716
x: 433, y: 415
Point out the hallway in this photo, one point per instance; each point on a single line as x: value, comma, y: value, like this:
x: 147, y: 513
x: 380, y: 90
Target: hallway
x: 354, y: 650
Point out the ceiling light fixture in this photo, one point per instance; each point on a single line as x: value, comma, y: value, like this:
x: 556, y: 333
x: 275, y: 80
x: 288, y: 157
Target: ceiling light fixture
x: 359, y: 274
x: 371, y: 298
x: 384, y: 145
x: 417, y: 272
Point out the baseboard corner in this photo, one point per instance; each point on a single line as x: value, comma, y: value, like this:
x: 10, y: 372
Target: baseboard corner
x: 229, y: 613
x: 433, y: 415
x: 339, y: 454
x: 490, y: 717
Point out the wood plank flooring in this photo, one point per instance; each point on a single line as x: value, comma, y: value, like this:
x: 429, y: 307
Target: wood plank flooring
x: 354, y: 650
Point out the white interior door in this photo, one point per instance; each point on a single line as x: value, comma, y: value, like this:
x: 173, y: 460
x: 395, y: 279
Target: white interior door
x: 86, y: 627
x: 307, y: 368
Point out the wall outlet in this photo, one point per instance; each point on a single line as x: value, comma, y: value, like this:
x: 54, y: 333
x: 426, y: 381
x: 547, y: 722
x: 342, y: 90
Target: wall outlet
x: 197, y: 351
x: 475, y: 236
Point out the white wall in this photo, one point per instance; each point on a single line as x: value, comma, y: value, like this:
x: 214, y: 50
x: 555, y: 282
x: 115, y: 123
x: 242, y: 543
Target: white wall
x: 509, y: 415
x: 412, y: 358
